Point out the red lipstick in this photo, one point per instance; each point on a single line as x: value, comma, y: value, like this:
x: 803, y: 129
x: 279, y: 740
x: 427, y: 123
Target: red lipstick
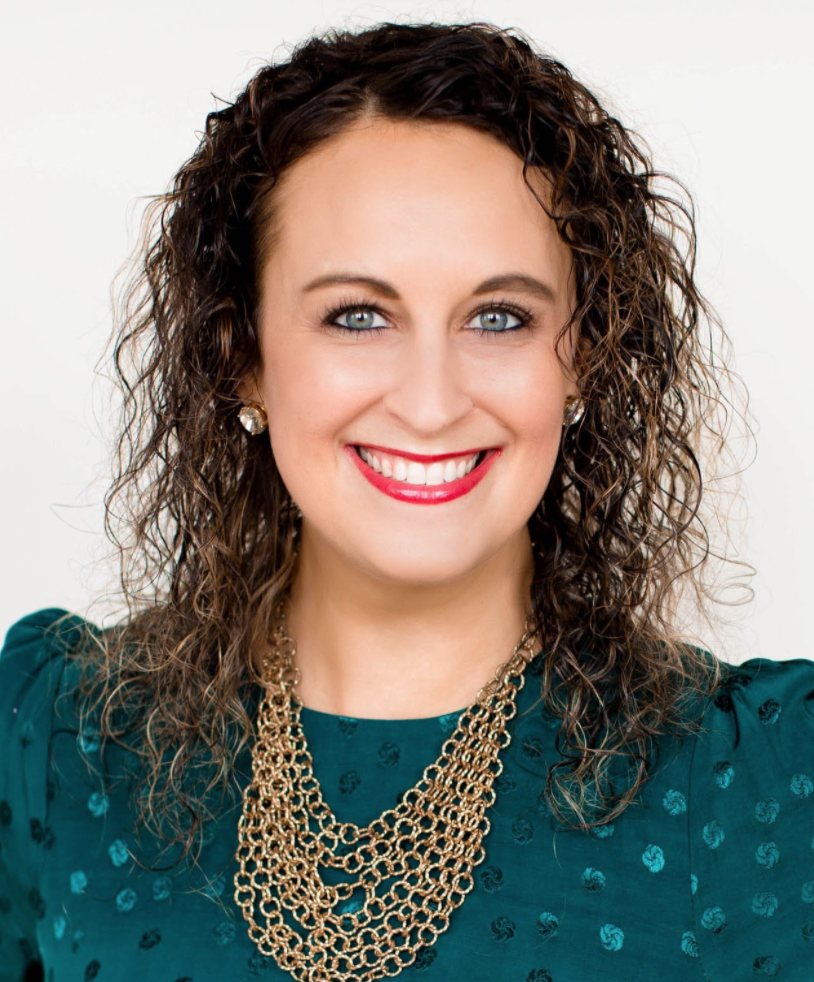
x: 424, y: 494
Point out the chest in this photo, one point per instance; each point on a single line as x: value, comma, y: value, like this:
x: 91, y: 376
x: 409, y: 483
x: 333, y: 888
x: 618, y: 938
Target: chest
x: 545, y: 905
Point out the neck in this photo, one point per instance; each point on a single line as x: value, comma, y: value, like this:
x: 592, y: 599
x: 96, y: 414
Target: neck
x: 372, y: 649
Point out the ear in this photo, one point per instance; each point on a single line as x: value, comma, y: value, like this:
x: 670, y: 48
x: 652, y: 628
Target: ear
x: 572, y: 390
x: 247, y: 391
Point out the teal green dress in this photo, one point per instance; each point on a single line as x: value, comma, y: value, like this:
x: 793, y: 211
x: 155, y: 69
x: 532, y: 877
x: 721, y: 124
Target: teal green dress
x: 708, y: 876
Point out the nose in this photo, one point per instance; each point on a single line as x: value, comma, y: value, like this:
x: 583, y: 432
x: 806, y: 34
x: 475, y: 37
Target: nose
x: 428, y: 393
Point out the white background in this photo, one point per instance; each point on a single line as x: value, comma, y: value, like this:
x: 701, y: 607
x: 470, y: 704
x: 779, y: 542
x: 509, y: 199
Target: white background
x: 104, y: 101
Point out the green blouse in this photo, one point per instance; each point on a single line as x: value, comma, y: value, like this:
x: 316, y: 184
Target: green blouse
x: 708, y: 875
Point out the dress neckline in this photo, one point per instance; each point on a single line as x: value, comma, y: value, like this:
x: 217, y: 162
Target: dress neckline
x: 319, y: 719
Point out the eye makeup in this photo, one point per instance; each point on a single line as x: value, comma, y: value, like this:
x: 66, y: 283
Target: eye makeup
x: 354, y: 305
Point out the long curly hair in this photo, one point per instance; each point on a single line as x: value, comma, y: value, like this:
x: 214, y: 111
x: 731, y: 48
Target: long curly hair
x: 204, y: 528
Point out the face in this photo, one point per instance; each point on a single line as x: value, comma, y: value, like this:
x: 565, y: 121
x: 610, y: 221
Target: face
x: 415, y: 353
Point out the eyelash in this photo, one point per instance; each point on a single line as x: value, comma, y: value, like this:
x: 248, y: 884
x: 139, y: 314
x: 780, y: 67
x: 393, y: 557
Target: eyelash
x: 344, y: 306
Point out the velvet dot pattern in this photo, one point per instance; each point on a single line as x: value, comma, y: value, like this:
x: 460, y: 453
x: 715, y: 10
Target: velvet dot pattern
x: 707, y: 877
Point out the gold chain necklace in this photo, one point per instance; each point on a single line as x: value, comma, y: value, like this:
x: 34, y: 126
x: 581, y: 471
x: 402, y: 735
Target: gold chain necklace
x: 427, y: 845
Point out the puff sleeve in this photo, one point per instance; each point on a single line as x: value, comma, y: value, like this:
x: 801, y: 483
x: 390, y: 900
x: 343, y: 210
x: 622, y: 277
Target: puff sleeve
x: 751, y: 825
x: 31, y: 664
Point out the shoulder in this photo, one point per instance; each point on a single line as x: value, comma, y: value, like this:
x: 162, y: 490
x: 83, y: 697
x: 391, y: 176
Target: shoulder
x: 32, y: 661
x: 764, y: 704
x: 37, y: 638
x: 757, y: 735
x: 759, y: 676
x: 752, y: 820
x: 32, y: 669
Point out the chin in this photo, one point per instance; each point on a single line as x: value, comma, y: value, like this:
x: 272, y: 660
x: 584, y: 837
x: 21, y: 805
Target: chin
x: 417, y: 571
x: 416, y: 560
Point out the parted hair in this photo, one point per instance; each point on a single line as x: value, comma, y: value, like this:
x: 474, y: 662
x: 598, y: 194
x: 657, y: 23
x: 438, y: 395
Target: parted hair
x: 204, y: 530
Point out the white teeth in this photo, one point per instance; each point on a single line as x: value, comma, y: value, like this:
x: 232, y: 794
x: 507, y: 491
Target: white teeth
x: 373, y: 461
x: 411, y: 472
x: 416, y: 473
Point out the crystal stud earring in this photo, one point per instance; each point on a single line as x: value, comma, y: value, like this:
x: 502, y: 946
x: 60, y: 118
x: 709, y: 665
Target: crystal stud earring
x: 574, y: 409
x: 253, y: 417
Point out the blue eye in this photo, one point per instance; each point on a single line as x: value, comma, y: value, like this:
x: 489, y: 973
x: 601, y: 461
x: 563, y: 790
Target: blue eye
x: 498, y: 316
x: 363, y: 312
x: 360, y: 318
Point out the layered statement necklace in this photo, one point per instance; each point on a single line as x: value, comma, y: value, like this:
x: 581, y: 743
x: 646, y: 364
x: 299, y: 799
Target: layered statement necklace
x: 401, y: 877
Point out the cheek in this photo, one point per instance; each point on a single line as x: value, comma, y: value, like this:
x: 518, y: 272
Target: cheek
x: 533, y: 411
x: 302, y: 385
x: 311, y: 398
x: 538, y: 436
x: 528, y: 393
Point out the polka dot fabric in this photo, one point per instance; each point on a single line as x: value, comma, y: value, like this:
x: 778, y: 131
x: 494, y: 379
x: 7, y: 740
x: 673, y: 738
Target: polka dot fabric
x: 752, y: 825
x: 707, y: 876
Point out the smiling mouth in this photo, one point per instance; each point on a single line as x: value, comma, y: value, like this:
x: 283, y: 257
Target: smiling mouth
x: 412, y: 472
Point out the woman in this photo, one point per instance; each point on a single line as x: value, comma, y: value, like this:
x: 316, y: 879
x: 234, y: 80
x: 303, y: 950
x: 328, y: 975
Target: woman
x: 409, y: 490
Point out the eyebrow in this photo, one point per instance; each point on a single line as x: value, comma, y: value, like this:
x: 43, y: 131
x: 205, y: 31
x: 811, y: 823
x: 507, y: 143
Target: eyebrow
x: 520, y: 282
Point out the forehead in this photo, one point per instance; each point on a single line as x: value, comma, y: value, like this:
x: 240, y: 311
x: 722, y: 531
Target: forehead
x: 385, y: 190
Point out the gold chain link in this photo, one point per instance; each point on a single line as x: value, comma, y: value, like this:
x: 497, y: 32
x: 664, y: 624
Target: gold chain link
x: 428, y: 845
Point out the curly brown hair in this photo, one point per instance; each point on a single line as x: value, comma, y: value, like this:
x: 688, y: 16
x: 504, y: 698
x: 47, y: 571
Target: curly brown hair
x: 204, y: 527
